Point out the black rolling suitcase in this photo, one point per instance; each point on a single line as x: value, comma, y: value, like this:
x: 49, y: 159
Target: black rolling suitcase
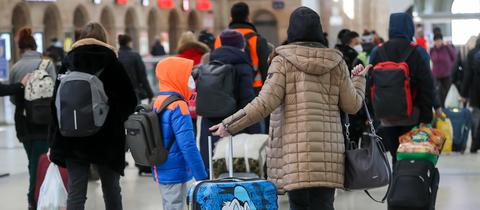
x: 414, y: 186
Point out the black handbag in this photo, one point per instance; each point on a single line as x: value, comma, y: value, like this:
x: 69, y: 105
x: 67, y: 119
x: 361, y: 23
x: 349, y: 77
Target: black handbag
x: 366, y: 165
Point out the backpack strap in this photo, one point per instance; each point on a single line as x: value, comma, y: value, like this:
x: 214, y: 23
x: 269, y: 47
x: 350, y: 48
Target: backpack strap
x: 250, y: 35
x: 42, y: 66
x: 384, y: 55
x: 407, y: 54
x: 165, y: 104
x: 169, y: 101
x: 217, y: 62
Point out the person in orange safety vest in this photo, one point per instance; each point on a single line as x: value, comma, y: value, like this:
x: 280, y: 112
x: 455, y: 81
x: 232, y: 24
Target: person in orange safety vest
x: 257, y: 46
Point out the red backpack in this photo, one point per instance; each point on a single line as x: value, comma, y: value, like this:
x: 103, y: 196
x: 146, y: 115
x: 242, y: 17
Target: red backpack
x: 391, y: 92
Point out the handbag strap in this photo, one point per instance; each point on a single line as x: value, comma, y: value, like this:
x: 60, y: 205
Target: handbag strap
x: 349, y: 144
x: 387, y: 164
x: 383, y: 151
x: 381, y: 147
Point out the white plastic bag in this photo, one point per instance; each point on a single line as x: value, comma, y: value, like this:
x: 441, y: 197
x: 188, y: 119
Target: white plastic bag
x: 53, y: 195
x: 453, y: 98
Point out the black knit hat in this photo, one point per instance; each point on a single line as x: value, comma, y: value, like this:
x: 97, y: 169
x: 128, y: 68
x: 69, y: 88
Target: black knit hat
x: 305, y: 26
x: 232, y: 38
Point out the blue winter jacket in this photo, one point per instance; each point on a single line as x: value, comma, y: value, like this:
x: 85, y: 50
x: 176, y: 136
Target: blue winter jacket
x: 184, y: 159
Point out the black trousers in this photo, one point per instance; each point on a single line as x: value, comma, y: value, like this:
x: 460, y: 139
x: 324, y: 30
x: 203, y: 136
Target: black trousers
x: 443, y: 86
x: 391, y: 140
x: 78, y: 182
x: 318, y: 198
x: 476, y: 130
x: 204, y: 134
x: 34, y: 149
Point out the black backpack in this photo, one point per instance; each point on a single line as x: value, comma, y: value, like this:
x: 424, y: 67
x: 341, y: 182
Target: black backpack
x: 144, y: 134
x: 215, y: 90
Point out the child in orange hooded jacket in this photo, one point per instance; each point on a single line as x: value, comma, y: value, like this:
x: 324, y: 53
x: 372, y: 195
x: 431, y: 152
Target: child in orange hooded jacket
x: 184, y: 160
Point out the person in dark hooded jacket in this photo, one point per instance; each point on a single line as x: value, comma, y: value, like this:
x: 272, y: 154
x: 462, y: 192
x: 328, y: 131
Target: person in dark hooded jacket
x: 471, y: 90
x: 232, y: 53
x: 106, y: 148
x: 401, y: 33
x: 157, y: 48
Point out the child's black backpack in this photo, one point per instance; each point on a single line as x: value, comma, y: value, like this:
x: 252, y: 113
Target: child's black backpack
x: 144, y: 134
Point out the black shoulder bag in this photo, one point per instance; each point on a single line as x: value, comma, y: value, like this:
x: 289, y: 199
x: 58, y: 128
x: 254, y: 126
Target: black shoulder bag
x: 366, y: 165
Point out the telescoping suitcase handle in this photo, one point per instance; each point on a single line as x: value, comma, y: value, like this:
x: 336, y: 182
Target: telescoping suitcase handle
x: 229, y: 157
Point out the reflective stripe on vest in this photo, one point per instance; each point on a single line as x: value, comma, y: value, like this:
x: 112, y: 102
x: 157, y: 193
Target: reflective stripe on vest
x: 252, y: 45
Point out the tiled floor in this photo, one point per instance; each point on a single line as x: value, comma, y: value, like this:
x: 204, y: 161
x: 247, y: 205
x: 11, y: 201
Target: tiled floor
x: 459, y: 186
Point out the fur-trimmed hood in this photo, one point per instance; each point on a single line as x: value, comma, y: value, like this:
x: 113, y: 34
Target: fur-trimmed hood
x: 92, y: 41
x: 91, y: 55
x: 202, y: 48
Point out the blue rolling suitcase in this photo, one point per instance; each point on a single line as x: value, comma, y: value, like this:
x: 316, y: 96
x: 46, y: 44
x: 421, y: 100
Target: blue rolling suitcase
x: 232, y: 193
x: 461, y: 119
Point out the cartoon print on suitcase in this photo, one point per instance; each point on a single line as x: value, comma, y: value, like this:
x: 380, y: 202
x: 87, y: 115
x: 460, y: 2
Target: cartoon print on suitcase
x: 231, y: 194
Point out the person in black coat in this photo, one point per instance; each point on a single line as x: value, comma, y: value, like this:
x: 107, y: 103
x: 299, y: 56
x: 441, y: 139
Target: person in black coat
x: 106, y: 148
x: 231, y: 52
x: 157, y: 48
x: 56, y: 53
x: 471, y: 91
x: 133, y: 64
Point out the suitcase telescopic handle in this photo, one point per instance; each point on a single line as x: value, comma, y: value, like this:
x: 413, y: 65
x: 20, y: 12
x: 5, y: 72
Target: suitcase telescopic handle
x: 210, y: 158
x: 229, y: 158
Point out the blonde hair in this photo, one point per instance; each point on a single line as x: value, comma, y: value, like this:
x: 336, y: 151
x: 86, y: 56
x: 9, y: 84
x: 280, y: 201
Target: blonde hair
x: 94, y: 30
x: 185, y: 38
x: 471, y: 43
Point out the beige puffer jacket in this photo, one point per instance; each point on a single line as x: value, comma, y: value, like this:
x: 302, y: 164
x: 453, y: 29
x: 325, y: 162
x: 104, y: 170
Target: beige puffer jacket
x: 307, y: 86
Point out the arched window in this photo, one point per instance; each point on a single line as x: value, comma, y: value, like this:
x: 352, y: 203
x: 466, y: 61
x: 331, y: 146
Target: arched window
x: 131, y: 24
x: 108, y: 21
x: 463, y: 29
x: 20, y: 19
x: 267, y: 25
x: 80, y: 17
x: 153, y: 26
x: 173, y: 30
x: 194, y: 21
x: 52, y: 24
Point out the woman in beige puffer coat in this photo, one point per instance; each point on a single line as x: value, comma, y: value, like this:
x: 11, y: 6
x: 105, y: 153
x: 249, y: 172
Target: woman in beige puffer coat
x: 306, y: 88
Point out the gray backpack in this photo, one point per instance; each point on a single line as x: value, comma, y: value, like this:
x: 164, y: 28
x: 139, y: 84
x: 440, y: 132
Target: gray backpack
x: 82, y: 104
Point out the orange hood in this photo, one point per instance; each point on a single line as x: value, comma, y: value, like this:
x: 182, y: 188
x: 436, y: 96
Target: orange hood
x: 173, y: 74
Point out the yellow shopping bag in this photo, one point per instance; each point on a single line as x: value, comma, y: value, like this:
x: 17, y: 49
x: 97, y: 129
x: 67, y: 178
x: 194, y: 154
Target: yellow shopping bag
x: 445, y: 126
